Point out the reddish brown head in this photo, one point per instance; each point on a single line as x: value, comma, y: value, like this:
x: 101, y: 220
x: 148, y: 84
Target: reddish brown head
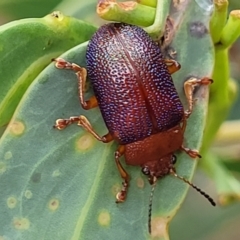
x: 159, y: 168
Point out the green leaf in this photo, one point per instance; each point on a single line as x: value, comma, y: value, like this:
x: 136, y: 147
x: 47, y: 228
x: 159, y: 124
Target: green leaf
x: 81, y: 9
x: 62, y: 184
x: 16, y: 9
x: 36, y: 41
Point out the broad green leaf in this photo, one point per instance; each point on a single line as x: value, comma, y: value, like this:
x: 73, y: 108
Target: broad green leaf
x: 62, y: 184
x: 26, y: 48
x: 16, y: 9
x: 82, y: 9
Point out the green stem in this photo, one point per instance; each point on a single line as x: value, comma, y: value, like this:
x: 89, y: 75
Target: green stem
x: 218, y: 19
x: 150, y: 3
x: 162, y: 12
x: 153, y: 19
x: 231, y: 31
x: 127, y: 12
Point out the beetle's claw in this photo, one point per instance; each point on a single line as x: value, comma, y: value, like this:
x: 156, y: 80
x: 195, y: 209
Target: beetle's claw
x: 60, y: 124
x: 121, y: 196
x: 61, y: 63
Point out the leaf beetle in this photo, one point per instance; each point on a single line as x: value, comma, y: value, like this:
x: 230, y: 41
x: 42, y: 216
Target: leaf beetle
x: 138, y: 101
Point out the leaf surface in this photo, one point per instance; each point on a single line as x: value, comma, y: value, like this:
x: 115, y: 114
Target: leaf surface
x: 62, y: 184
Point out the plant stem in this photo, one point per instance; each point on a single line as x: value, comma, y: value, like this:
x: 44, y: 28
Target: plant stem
x: 231, y: 31
x: 127, y: 12
x: 218, y: 19
x: 150, y: 3
x: 162, y: 12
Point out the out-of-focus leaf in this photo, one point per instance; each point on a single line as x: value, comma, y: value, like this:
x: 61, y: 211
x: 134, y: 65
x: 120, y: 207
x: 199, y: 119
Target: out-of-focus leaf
x: 16, y: 9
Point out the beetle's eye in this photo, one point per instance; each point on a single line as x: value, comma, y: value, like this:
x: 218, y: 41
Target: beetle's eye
x: 145, y: 171
x: 174, y: 159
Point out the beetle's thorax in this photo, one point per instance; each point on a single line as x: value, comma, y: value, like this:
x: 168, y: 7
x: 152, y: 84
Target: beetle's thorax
x: 154, y: 147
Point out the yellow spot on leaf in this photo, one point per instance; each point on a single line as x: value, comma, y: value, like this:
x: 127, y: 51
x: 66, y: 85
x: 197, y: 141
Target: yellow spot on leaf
x: 8, y: 155
x: 2, y: 167
x: 140, y: 182
x: 159, y: 227
x: 56, y: 173
x: 104, y: 218
x: 11, y: 202
x: 21, y: 223
x: 53, y: 204
x: 115, y: 189
x: 85, y: 142
x: 17, y: 128
x: 28, y: 194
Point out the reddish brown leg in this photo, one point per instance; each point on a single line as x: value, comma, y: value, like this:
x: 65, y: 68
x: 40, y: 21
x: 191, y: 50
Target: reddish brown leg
x: 81, y: 76
x: 189, y: 86
x: 91, y: 103
x: 83, y: 122
x: 172, y: 65
x: 192, y: 153
x: 122, y: 195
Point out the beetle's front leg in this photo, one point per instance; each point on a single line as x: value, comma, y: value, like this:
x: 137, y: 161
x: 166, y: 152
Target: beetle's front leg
x: 189, y: 86
x: 122, y: 195
x: 83, y: 122
x: 81, y: 76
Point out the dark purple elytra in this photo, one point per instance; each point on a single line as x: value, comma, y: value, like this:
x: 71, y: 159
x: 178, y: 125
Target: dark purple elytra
x: 134, y: 89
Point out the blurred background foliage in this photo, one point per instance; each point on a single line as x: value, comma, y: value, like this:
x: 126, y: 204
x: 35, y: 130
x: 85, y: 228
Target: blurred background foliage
x: 196, y: 219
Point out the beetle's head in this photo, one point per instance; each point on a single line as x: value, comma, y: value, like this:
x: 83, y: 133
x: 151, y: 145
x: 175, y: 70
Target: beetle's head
x: 159, y: 168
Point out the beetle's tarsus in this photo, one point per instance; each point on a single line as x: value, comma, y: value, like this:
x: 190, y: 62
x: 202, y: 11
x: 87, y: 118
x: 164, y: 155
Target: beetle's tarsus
x: 191, y: 152
x: 122, y: 195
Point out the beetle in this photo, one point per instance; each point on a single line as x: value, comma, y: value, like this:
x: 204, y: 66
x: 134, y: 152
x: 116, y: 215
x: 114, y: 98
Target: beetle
x: 139, y: 104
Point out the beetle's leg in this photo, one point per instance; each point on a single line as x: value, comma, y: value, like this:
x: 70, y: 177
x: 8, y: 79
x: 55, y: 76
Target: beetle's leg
x: 83, y: 122
x: 192, y: 153
x: 189, y: 86
x: 121, y: 196
x: 82, y: 76
x: 172, y: 65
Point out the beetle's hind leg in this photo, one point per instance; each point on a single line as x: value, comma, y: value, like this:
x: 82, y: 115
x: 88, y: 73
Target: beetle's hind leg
x: 191, y: 152
x: 189, y: 86
x: 122, y: 195
x: 81, y: 76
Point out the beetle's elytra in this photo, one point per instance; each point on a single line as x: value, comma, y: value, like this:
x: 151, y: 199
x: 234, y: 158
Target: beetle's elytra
x: 133, y: 102
x: 141, y: 108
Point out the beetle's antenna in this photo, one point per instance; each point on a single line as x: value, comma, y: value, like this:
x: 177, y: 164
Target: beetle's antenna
x: 150, y: 205
x: 195, y: 187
